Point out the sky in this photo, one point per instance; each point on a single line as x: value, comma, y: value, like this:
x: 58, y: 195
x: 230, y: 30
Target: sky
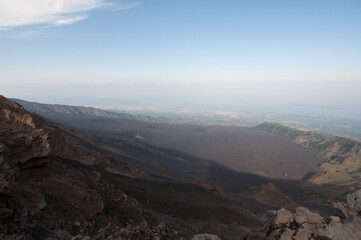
x: 297, y: 57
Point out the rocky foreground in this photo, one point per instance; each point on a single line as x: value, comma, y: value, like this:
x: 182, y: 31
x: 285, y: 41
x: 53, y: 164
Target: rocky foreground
x: 304, y: 224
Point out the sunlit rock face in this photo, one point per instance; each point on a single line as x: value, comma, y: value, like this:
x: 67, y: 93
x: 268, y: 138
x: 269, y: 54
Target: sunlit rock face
x: 22, y: 138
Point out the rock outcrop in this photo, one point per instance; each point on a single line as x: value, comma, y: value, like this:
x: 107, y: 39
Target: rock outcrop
x: 24, y: 143
x: 305, y: 224
x: 209, y: 186
x: 271, y: 195
x: 352, y: 207
x: 22, y: 139
x: 43, y: 189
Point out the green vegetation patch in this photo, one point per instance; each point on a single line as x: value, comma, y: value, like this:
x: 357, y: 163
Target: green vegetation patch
x: 279, y: 130
x: 346, y: 143
x: 291, y: 133
x: 333, y: 150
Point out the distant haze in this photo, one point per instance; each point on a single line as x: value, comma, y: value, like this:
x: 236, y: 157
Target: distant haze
x: 333, y: 99
x: 295, y: 57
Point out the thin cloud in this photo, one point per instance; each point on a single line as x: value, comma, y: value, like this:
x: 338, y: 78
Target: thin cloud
x: 20, y: 13
x: 68, y: 21
x: 111, y: 6
x: 99, y: 82
x: 20, y: 34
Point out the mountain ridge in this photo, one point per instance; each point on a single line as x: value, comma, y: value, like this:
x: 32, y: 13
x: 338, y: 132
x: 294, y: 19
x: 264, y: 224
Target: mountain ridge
x: 51, y: 109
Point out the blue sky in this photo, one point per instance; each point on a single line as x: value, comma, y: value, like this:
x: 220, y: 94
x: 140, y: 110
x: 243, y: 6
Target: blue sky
x: 265, y: 55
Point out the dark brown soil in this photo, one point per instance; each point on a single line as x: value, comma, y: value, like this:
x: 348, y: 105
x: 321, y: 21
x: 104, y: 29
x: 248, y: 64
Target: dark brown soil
x: 186, y: 208
x: 239, y: 148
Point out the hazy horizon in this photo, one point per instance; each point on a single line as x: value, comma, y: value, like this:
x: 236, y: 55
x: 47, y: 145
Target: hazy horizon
x: 288, y: 57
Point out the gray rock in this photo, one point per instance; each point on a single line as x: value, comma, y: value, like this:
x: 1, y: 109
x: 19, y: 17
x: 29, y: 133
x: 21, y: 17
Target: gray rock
x: 344, y: 211
x: 335, y: 230
x: 205, y: 236
x: 352, y: 207
x: 309, y: 220
x: 61, y: 235
x: 309, y: 225
x: 287, y: 234
x: 354, y: 201
x: 267, y: 220
x: 301, y: 234
x: 283, y: 216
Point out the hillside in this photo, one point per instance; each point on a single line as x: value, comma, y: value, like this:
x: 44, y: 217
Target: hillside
x: 53, y: 110
x: 341, y: 156
x: 55, y: 184
x: 242, y: 149
x: 58, y: 182
x: 234, y: 158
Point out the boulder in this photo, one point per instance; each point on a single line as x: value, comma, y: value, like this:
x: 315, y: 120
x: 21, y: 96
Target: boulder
x: 343, y: 210
x: 267, y: 220
x: 336, y: 230
x: 283, y: 216
x: 354, y: 202
x: 301, y: 234
x: 309, y: 220
x: 306, y: 225
x: 352, y: 207
x: 287, y: 234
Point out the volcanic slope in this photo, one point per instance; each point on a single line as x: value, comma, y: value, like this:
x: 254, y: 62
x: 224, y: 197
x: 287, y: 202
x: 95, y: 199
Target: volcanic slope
x: 238, y: 148
x: 124, y: 140
x: 51, y: 182
x: 55, y: 178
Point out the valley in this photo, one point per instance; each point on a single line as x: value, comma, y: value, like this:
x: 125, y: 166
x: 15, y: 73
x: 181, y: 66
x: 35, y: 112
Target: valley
x: 180, y: 120
x: 192, y: 177
x: 242, y: 149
